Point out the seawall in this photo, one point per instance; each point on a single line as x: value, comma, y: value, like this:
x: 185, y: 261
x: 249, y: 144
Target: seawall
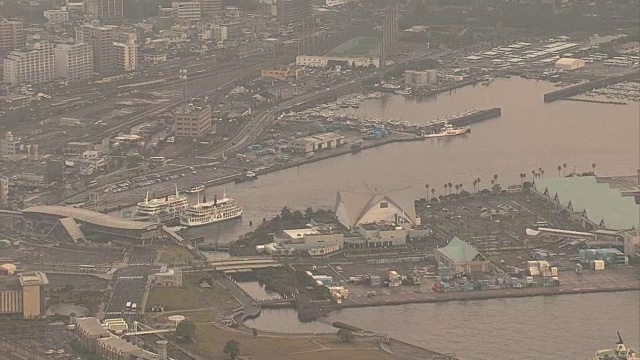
x: 588, y: 86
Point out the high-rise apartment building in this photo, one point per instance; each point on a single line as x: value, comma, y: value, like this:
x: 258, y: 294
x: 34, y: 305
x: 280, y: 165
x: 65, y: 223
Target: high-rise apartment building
x: 187, y: 11
x: 10, y: 144
x: 11, y: 35
x: 211, y: 8
x: 125, y: 49
x: 30, y: 67
x: 74, y: 62
x: 293, y: 11
x: 110, y: 9
x: 193, y: 120
x: 101, y: 39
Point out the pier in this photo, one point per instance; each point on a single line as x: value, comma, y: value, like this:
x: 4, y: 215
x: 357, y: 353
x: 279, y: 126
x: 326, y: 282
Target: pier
x: 565, y: 93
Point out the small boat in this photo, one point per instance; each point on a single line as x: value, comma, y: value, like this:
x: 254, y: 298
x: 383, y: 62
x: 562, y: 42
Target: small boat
x: 403, y: 92
x: 195, y: 189
x: 248, y: 176
x: 448, y: 130
x: 619, y: 353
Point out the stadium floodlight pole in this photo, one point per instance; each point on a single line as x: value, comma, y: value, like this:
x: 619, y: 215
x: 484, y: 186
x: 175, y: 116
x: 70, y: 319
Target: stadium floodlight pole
x: 183, y: 77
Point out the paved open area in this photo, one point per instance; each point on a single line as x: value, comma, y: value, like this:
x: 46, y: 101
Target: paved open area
x: 129, y: 286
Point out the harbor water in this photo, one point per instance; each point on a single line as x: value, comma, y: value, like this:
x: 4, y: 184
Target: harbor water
x: 529, y: 135
x: 552, y: 327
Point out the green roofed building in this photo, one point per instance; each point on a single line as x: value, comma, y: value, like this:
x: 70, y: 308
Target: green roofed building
x: 462, y: 257
x: 595, y: 204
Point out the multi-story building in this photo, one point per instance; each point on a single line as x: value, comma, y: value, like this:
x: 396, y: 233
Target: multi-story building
x: 125, y: 52
x: 210, y: 8
x: 23, y: 294
x: 187, y: 11
x: 31, y: 67
x: 56, y: 16
x: 11, y: 35
x: 101, y: 39
x: 293, y: 11
x: 193, y: 120
x: 110, y: 9
x: 4, y: 191
x: 10, y: 145
x: 74, y: 62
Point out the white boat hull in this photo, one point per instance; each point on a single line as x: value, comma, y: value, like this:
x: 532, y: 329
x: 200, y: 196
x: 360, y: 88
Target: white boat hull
x: 210, y: 219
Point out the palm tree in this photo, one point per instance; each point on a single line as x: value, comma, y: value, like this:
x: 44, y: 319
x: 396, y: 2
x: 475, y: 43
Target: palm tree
x: 542, y: 173
x: 450, y: 187
x: 433, y: 192
x: 559, y: 169
x: 521, y: 179
x: 446, y: 186
x: 460, y: 185
x: 457, y: 189
x: 475, y: 183
x: 564, y: 169
x: 593, y: 167
x: 427, y: 186
x: 479, y: 181
x: 493, y: 182
x: 533, y: 175
x: 495, y: 177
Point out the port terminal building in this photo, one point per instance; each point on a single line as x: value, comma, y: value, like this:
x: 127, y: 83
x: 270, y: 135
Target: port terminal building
x: 76, y: 222
x: 599, y: 206
x: 461, y: 257
x: 316, y: 142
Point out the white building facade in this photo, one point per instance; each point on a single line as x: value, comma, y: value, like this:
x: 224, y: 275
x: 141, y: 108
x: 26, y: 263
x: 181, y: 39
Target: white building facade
x: 74, y: 62
x: 32, y: 67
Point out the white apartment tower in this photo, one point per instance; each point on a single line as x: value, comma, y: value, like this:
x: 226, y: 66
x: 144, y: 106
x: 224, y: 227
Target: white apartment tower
x: 74, y: 62
x: 125, y: 52
x: 187, y: 11
x: 32, y: 67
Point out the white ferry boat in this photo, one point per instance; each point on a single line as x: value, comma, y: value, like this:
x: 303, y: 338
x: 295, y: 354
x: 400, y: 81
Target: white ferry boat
x: 168, y: 206
x: 448, y: 130
x: 195, y: 189
x: 208, y: 212
x: 619, y: 353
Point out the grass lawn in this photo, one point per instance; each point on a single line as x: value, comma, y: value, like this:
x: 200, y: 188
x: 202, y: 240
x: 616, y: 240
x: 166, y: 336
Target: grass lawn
x: 191, y: 296
x: 211, y: 341
x: 363, y: 46
x: 175, y: 255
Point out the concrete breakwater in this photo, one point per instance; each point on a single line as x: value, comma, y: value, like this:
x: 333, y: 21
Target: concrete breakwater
x: 597, y: 101
x: 588, y: 86
x: 476, y: 117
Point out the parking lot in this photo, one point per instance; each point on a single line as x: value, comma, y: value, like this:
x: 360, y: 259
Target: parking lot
x: 141, y: 256
x: 50, y: 254
x: 129, y: 286
x: 84, y: 282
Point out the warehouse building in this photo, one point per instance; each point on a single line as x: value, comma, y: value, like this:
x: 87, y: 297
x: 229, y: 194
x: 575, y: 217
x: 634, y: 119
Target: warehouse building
x: 316, y: 241
x: 569, y: 64
x: 334, y: 61
x: 316, y: 142
x: 23, y: 294
x: 461, y: 257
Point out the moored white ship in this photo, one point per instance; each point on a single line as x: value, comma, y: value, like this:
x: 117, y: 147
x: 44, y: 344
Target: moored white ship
x: 208, y: 212
x: 169, y: 206
x: 448, y: 130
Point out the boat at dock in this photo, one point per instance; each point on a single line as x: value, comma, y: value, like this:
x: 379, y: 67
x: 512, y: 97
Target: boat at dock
x: 195, y: 189
x: 403, y: 92
x: 167, y: 207
x: 619, y: 353
x: 208, y: 212
x: 448, y: 130
x: 247, y: 176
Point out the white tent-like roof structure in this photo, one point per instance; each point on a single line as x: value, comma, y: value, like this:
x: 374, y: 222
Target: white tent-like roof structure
x: 353, y: 208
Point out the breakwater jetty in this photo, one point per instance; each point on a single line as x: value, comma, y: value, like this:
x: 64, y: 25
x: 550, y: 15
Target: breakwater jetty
x: 476, y: 117
x: 588, y: 86
x: 597, y: 101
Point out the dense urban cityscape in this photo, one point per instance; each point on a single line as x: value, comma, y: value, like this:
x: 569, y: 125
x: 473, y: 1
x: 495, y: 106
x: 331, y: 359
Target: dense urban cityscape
x: 302, y: 180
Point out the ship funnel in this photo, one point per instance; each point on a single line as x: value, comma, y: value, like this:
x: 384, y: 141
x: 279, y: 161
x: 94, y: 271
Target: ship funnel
x: 215, y: 200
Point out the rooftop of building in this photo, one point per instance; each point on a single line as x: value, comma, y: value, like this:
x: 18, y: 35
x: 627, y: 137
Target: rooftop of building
x: 378, y: 226
x: 358, y: 203
x: 33, y: 278
x: 459, y: 252
x: 88, y: 216
x: 195, y: 106
x: 91, y: 326
x: 9, y: 283
x: 601, y: 202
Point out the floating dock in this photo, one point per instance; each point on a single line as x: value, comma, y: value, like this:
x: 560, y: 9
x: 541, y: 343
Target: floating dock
x: 475, y: 117
x: 588, y: 86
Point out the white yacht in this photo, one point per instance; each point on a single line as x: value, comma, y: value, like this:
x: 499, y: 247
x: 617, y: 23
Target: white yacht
x: 168, y: 206
x: 208, y: 212
x: 448, y: 130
